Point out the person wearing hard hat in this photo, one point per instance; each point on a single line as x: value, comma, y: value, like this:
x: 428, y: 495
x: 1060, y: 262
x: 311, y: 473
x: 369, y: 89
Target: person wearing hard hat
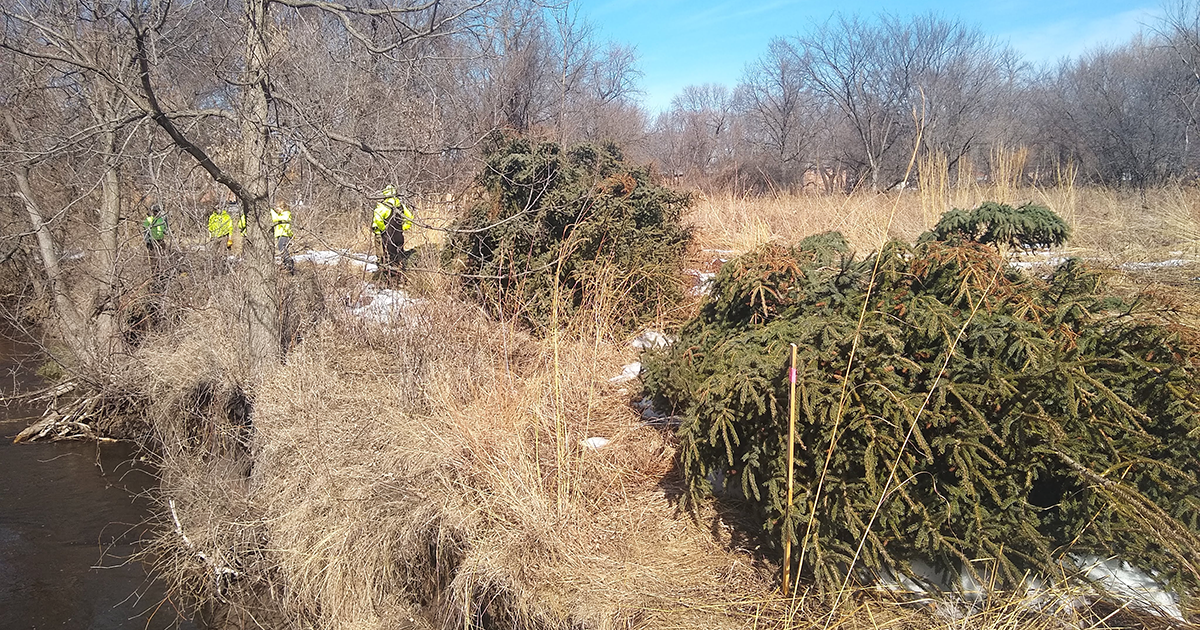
x: 154, y: 229
x: 391, y: 219
x: 154, y: 234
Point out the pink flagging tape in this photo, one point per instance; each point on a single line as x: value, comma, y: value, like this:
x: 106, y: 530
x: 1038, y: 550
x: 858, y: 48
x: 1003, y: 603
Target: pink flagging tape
x: 792, y: 375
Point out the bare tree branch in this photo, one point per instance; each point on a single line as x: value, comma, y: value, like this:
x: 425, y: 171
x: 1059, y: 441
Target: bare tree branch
x: 344, y: 14
x: 164, y: 121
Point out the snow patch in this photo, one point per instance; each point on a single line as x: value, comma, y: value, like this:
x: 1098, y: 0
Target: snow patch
x: 704, y: 281
x: 628, y: 373
x: 1052, y: 261
x: 1131, y: 584
x: 384, y: 306
x: 957, y: 593
x: 651, y: 339
x: 1164, y: 264
x: 331, y: 257
x: 595, y: 443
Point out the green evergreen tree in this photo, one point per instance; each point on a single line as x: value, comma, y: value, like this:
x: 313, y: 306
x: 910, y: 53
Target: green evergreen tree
x: 1028, y: 420
x: 1029, y: 226
x: 577, y: 218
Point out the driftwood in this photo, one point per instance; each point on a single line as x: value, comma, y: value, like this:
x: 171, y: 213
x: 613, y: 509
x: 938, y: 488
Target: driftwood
x: 69, y: 421
x: 48, y: 393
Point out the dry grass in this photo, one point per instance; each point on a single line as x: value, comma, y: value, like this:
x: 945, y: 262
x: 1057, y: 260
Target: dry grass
x: 1111, y: 225
x: 867, y: 220
x: 437, y: 467
x: 431, y: 473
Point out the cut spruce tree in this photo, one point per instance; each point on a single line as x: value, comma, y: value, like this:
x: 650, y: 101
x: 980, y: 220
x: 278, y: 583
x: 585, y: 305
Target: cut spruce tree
x: 952, y: 410
x: 559, y: 228
x: 1029, y: 226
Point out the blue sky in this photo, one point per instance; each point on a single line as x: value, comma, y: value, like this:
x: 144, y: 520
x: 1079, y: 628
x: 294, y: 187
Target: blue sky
x: 685, y: 42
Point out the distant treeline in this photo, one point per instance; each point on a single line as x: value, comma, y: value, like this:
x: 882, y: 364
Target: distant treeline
x: 852, y: 102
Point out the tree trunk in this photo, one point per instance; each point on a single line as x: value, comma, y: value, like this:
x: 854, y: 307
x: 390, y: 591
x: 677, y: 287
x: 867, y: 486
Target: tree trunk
x: 69, y: 319
x: 108, y: 338
x: 260, y: 275
x: 104, y: 302
x: 874, y: 165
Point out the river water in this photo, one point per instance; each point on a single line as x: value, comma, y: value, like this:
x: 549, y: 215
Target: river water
x: 71, y: 516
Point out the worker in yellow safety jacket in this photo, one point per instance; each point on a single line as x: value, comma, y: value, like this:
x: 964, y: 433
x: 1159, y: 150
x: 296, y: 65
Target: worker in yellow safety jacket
x: 281, y: 220
x: 391, y: 219
x: 281, y: 229
x: 220, y: 225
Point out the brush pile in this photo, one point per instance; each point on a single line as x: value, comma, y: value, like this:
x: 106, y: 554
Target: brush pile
x: 950, y: 409
x: 559, y: 227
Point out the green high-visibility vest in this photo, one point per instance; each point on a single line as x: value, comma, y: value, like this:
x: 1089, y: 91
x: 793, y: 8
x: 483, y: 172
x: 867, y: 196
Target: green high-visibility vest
x: 155, y: 227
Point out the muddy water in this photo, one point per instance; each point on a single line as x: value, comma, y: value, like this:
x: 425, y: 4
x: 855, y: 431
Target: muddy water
x: 71, y: 516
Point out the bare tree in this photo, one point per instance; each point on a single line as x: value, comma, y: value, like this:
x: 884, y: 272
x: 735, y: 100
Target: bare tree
x: 781, y: 112
x: 251, y: 112
x: 545, y: 73
x: 892, y: 77
x: 1119, y: 112
x: 522, y: 78
x: 65, y: 108
x: 704, y: 117
x: 965, y: 82
x: 597, y: 83
x: 864, y: 72
x: 1180, y: 29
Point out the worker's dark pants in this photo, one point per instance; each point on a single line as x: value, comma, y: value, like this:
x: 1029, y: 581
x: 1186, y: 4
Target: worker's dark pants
x: 157, y: 251
x: 393, y: 246
x: 283, y: 244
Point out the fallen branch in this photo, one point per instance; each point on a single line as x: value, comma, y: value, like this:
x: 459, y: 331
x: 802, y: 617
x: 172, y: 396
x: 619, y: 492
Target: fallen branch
x: 218, y: 570
x: 53, y: 391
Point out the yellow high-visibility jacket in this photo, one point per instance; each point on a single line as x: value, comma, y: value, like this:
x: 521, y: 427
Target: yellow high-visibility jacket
x: 220, y: 223
x: 282, y: 220
x: 383, y: 211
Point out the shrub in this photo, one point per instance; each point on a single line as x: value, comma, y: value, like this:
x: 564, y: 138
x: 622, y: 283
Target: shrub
x: 1029, y: 226
x: 564, y: 224
x: 1027, y: 421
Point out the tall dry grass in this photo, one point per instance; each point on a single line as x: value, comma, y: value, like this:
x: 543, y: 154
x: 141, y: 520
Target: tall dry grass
x: 1109, y: 225
x: 432, y: 472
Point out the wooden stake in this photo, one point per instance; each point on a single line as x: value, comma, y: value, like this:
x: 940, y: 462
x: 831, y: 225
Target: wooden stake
x: 787, y: 533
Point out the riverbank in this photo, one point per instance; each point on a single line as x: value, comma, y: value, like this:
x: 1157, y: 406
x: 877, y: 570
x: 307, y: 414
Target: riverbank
x: 430, y: 470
